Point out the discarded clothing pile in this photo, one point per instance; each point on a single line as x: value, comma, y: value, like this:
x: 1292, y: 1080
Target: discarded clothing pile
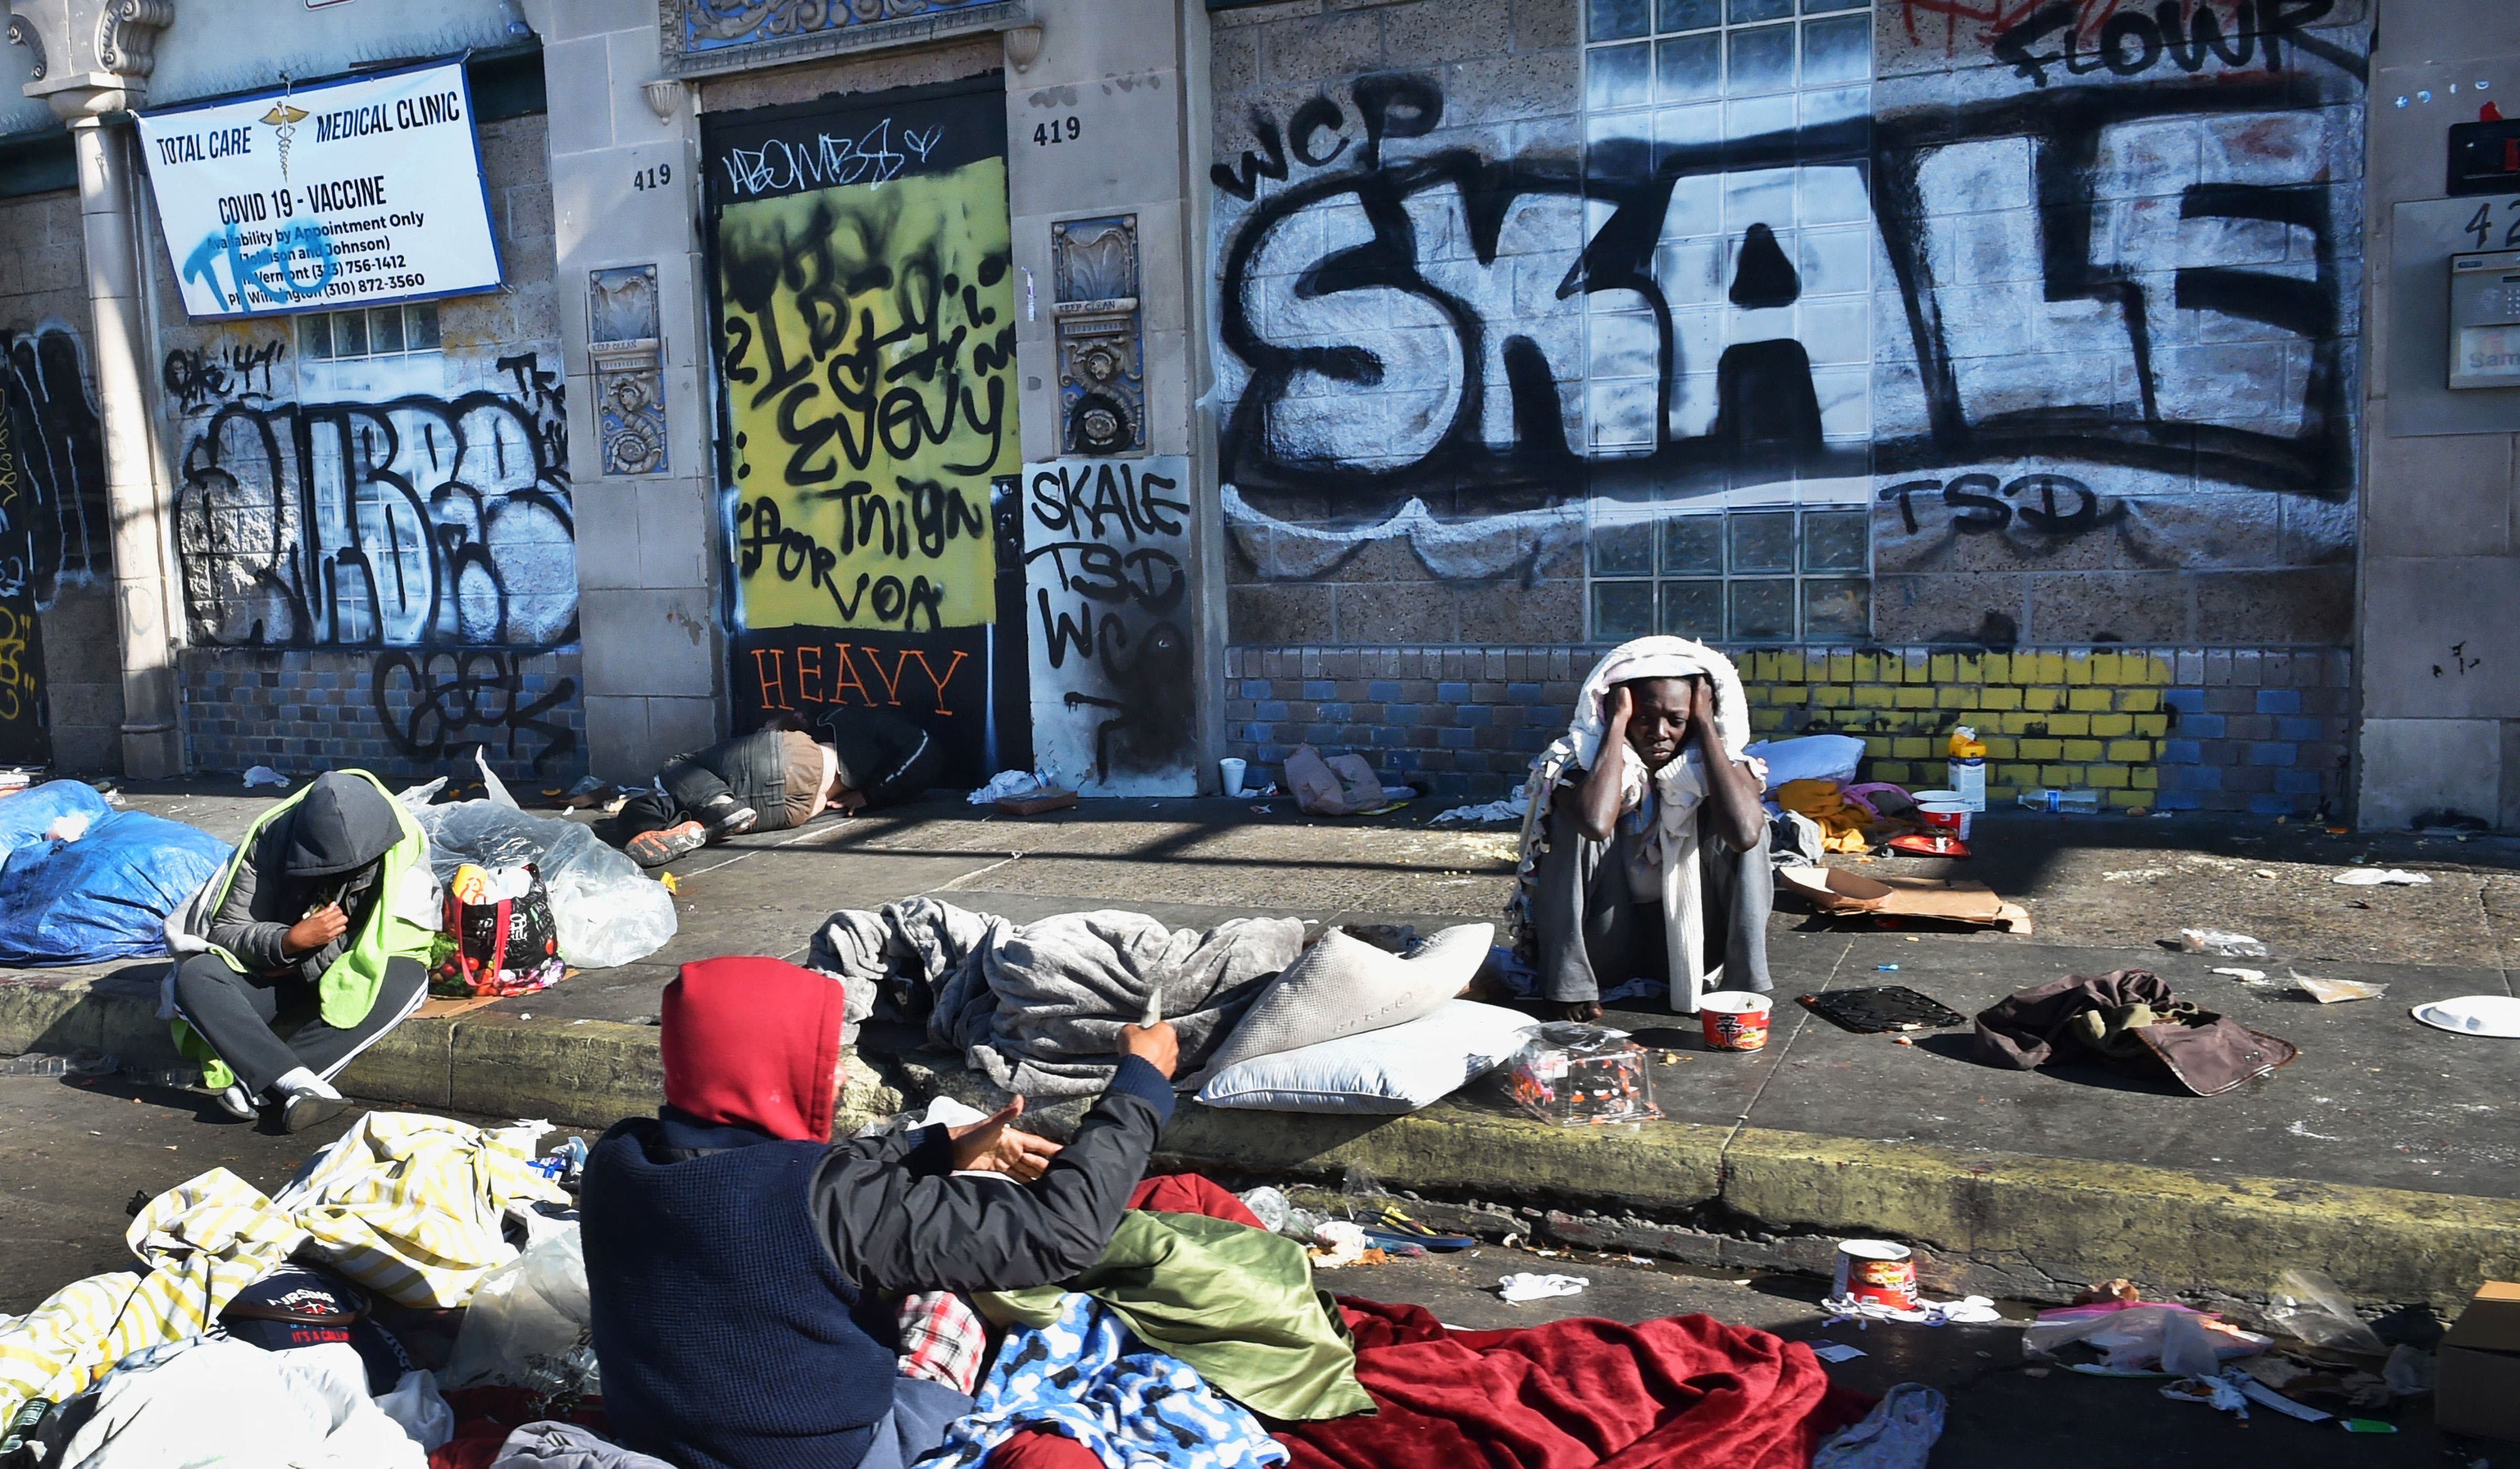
x: 82, y: 882
x: 1039, y: 1006
x: 2127, y: 1018
x: 1843, y: 823
x: 215, y: 1401
x: 1685, y: 1391
x: 404, y: 1205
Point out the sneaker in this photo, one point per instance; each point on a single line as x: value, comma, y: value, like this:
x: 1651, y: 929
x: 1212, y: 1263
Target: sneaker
x: 236, y: 1102
x: 724, y: 817
x: 300, y: 1110
x: 655, y: 848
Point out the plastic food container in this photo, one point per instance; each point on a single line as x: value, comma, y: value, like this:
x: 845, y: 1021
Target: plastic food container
x: 1582, y: 1075
x: 1735, y: 1019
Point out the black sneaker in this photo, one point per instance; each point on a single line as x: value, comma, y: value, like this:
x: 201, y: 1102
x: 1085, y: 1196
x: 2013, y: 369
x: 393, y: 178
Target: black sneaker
x: 655, y: 848
x: 725, y: 816
x: 300, y: 1110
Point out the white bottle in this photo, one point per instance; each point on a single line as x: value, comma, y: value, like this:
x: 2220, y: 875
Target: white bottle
x: 2084, y: 801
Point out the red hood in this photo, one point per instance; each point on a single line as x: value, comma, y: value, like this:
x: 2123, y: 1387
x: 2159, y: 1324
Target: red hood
x: 754, y: 1042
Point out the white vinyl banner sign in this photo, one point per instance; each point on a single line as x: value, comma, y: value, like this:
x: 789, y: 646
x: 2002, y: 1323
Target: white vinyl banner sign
x: 356, y: 192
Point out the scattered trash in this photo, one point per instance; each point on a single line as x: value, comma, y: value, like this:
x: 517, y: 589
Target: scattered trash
x: 2314, y: 1309
x: 2379, y: 877
x: 1579, y: 1075
x: 1834, y: 890
x: 1969, y: 1310
x: 2083, y: 802
x: 2215, y: 1392
x: 1013, y: 785
x: 2368, y: 1425
x: 1881, y: 1008
x: 67, y: 828
x: 2221, y: 943
x: 1735, y: 1019
x: 1876, y: 1271
x: 263, y: 774
x: 2332, y: 990
x: 1899, y: 1433
x: 1525, y: 1286
x: 1337, y: 1242
x: 33, y: 1065
x: 2131, y: 1336
x: 2407, y: 1372
x: 2244, y: 976
x: 1493, y: 811
x: 2473, y: 1015
x: 1836, y: 1351
x: 528, y: 1324
x: 1269, y: 1206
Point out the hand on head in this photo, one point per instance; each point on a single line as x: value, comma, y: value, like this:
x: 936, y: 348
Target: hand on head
x: 1658, y: 717
x: 990, y: 1145
x: 1159, y: 1045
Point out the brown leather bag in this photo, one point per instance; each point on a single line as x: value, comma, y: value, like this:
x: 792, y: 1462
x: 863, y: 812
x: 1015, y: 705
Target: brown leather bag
x: 2209, y: 1054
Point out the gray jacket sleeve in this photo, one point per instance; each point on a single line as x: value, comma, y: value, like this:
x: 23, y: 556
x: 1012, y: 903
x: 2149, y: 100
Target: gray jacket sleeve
x: 258, y: 943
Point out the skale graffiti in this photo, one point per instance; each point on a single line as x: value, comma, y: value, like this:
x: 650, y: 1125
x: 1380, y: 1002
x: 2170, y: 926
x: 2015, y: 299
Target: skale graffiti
x: 436, y: 702
x: 1106, y: 552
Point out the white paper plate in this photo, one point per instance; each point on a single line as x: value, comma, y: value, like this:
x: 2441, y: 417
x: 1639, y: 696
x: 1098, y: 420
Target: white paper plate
x: 2473, y: 1015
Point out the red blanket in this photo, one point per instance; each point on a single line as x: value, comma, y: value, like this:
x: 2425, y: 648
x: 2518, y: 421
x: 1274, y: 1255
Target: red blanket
x: 1679, y: 1392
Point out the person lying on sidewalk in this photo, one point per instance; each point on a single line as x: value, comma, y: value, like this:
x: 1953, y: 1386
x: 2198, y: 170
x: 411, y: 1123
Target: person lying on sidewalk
x: 741, y: 1267
x: 777, y: 777
x: 322, y: 920
x: 1645, y: 851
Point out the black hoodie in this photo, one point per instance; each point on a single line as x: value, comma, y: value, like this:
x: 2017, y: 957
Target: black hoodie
x: 327, y: 849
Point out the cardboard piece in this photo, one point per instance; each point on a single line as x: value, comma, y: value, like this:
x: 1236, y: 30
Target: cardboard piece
x: 1037, y: 803
x: 1836, y: 891
x: 441, y: 1006
x: 2476, y: 1372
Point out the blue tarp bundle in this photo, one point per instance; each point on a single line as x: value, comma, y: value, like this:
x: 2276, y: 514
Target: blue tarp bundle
x: 104, y: 896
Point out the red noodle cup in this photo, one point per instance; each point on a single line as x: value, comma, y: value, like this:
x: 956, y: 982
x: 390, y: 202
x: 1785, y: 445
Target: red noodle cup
x: 1876, y: 1270
x: 1950, y: 816
x: 1733, y: 1020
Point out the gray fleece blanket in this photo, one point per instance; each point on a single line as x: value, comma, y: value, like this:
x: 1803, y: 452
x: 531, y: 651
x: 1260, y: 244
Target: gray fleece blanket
x: 1039, y: 1006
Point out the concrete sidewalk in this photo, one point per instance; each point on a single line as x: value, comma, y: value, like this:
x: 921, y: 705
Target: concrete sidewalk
x: 2384, y: 1155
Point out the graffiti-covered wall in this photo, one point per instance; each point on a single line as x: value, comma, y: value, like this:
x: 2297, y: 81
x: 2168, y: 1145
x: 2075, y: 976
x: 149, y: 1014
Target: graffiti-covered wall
x: 1921, y: 323
x: 374, y: 523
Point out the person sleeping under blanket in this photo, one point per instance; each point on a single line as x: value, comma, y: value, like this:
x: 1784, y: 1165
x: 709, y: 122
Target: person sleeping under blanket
x: 779, y: 776
x: 1644, y: 850
x: 741, y: 1266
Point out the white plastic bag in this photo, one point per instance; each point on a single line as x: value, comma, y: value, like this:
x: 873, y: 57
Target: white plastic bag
x: 422, y: 1411
x: 527, y: 1325
x: 608, y: 910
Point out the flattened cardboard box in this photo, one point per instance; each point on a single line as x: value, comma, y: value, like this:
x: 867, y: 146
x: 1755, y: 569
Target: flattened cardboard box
x: 1836, y: 890
x: 2477, y: 1370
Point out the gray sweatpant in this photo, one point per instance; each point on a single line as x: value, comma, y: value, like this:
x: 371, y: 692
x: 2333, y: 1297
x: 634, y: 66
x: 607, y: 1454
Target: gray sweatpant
x: 1590, y: 935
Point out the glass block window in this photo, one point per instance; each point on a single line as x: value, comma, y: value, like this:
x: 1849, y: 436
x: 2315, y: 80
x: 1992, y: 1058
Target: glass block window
x: 1778, y: 575
x: 374, y: 332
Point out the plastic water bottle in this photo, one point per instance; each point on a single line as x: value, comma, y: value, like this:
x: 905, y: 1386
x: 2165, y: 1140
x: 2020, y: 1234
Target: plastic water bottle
x: 2084, y: 801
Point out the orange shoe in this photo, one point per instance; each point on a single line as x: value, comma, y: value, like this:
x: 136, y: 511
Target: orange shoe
x: 655, y: 848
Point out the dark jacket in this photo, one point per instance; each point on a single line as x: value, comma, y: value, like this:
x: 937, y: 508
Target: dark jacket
x: 884, y: 755
x: 735, y: 1279
x: 327, y: 850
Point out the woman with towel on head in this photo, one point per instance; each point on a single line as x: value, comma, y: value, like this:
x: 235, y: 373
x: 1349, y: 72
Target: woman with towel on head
x: 1645, y: 851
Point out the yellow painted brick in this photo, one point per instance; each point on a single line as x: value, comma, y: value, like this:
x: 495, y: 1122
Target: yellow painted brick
x: 2111, y: 726
x: 1872, y: 696
x: 2078, y: 668
x: 2052, y: 668
x: 1763, y: 666
x: 2106, y: 776
x: 2043, y: 750
x: 1841, y: 668
x: 2131, y: 749
x: 1912, y: 697
x: 2152, y: 726
x: 2041, y: 700
x: 2015, y: 723
x: 2016, y: 776
x: 1912, y: 747
x: 1830, y: 695
x: 2130, y: 800
x: 1767, y: 721
x: 2062, y: 777
x: 1878, y: 747
x: 1956, y: 696
x: 1998, y: 668
x: 2155, y: 670
x: 2087, y: 700
x: 1945, y: 667
x: 2104, y: 668
x: 1970, y: 668
x: 2147, y: 778
x: 1919, y: 669
x: 1997, y: 747
x: 2069, y: 724
x: 2139, y: 700
x: 1867, y: 668
x: 1789, y: 667
x: 2082, y: 749
x: 1892, y: 770
x: 1993, y: 698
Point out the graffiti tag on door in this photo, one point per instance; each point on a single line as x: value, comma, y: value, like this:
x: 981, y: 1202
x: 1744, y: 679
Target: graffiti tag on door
x: 1107, y: 573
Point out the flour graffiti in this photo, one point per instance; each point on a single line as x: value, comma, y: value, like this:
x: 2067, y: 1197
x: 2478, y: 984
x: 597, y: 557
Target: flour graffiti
x: 53, y: 519
x: 2129, y: 42
x: 415, y: 521
x: 437, y: 702
x: 1106, y: 552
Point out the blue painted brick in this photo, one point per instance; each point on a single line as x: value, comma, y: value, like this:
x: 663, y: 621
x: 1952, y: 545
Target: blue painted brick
x: 2278, y: 701
x: 1531, y: 740
x: 1318, y: 688
x: 2267, y: 803
x: 1475, y: 714
x: 1454, y: 738
x: 2306, y: 728
x: 1256, y: 733
x: 1255, y: 688
x: 2185, y: 700
x: 1320, y: 734
x: 2297, y: 782
x: 1269, y: 709
x: 1390, y: 737
x: 1452, y: 693
x: 2182, y: 752
x: 2197, y: 777
x: 2201, y: 726
x: 1337, y: 713
x: 2273, y: 752
x: 1526, y: 694
x: 1383, y: 690
x: 2173, y: 800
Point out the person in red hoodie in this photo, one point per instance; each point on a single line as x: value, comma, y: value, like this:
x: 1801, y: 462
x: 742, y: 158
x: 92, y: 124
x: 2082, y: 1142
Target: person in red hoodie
x: 741, y: 1266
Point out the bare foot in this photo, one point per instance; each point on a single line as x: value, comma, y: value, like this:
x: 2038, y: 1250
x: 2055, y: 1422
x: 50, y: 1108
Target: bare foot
x: 1575, y: 1010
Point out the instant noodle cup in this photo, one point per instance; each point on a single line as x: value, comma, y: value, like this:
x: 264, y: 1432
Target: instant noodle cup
x: 1734, y: 1019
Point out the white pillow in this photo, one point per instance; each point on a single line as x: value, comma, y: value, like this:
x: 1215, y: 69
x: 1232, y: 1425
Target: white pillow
x: 1811, y: 757
x: 1400, y: 1068
x: 1344, y: 986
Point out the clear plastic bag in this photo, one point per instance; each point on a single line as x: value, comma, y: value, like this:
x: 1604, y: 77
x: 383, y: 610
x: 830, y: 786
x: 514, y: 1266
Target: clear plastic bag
x: 528, y: 1324
x: 608, y: 910
x: 2310, y: 1306
x: 2221, y: 943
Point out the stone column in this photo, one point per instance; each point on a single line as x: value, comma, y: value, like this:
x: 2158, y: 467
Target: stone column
x: 92, y: 60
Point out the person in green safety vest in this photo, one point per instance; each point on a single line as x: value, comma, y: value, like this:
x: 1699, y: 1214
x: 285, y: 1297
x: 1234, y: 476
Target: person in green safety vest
x: 320, y: 923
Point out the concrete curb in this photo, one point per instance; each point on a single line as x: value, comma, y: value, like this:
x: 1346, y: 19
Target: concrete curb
x: 2025, y: 1227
